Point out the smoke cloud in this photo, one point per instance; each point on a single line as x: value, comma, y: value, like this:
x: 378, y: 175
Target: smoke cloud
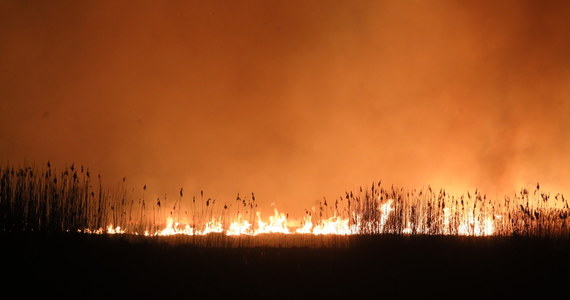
x: 293, y: 100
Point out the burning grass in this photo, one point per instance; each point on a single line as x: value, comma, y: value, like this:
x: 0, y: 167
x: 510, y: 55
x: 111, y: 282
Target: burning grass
x: 71, y: 200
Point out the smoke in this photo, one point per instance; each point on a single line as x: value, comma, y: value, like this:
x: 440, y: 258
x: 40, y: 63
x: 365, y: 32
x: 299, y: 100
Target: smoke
x: 294, y: 100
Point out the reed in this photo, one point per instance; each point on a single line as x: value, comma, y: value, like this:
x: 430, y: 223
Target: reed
x: 44, y: 199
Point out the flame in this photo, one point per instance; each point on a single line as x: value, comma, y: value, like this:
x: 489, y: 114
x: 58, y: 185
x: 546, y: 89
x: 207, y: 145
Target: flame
x: 469, y: 224
x: 115, y: 230
x: 333, y: 225
x: 173, y: 228
x: 307, y: 226
x: 277, y: 224
x: 408, y: 229
x: 385, y: 210
x: 212, y: 226
x: 239, y: 227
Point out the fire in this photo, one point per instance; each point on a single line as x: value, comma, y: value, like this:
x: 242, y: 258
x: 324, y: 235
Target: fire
x: 277, y: 224
x: 307, y: 226
x: 212, y: 226
x: 173, y: 228
x: 469, y: 224
x: 385, y: 210
x: 239, y: 227
x: 115, y: 230
x: 33, y: 202
x: 333, y: 225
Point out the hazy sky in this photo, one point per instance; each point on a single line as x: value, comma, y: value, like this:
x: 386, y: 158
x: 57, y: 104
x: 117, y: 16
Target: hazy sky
x: 294, y: 100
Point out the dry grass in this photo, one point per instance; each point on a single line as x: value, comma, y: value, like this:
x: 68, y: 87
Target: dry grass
x: 46, y: 200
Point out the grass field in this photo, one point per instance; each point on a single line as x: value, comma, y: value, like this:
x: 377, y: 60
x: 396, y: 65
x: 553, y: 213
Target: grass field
x: 60, y: 237
x: 42, y: 199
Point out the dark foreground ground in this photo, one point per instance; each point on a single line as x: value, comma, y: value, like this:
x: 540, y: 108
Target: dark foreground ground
x: 79, y: 266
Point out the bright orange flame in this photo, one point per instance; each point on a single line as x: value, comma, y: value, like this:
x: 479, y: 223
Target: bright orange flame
x: 468, y: 224
x: 239, y: 227
x: 115, y: 230
x: 277, y: 224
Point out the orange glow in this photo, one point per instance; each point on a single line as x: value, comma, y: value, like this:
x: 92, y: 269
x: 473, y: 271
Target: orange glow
x: 296, y: 101
x: 468, y: 225
x: 115, y: 230
x: 283, y: 99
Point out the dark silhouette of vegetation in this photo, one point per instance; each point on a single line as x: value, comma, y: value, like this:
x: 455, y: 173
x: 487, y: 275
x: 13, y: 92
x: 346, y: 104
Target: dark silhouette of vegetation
x: 42, y: 199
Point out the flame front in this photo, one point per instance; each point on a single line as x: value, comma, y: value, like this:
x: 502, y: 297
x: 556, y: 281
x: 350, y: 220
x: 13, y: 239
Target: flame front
x: 470, y: 225
x: 33, y: 199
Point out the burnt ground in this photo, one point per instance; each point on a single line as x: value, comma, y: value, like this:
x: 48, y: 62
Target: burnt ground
x: 82, y: 266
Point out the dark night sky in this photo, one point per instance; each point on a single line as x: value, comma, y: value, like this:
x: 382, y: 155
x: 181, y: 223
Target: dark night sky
x: 294, y: 100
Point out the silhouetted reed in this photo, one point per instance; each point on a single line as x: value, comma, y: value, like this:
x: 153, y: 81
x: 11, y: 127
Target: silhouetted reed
x: 431, y: 212
x: 72, y: 200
